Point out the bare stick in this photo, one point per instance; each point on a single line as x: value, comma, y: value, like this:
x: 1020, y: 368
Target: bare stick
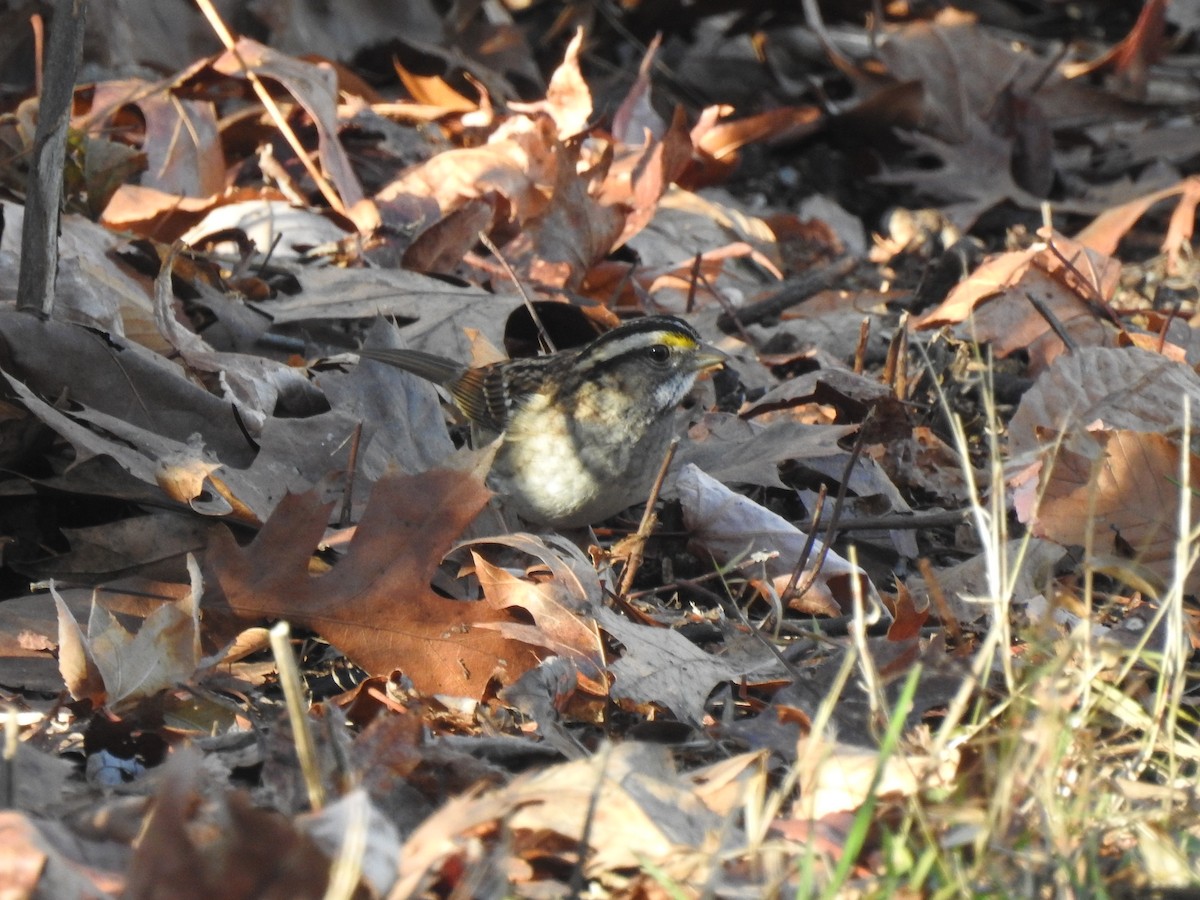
x: 543, y: 334
x: 649, y: 519
x: 44, y: 187
x: 1055, y: 325
x: 860, y: 350
x: 838, y: 502
x: 793, y: 292
x: 805, y: 553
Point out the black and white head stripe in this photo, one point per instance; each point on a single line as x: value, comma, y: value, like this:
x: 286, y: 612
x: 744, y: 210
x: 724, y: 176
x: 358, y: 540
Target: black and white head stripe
x: 638, y: 333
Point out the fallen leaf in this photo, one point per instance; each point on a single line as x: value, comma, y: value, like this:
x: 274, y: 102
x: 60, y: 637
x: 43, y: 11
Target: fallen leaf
x: 660, y: 665
x: 1072, y: 281
x: 1113, y: 389
x: 375, y: 604
x: 112, y: 666
x: 1123, y: 499
x: 731, y: 527
x: 223, y: 846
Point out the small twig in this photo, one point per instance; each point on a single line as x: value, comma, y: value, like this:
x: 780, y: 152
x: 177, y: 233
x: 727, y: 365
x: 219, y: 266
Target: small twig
x: 543, y: 334
x: 793, y: 292
x: 839, y: 501
x: 351, y: 468
x: 860, y: 350
x: 891, y: 363
x: 689, y: 583
x: 806, y: 552
x: 690, y: 303
x: 293, y: 694
x: 637, y: 548
x: 901, y: 521
x: 729, y: 605
x: 264, y: 96
x: 619, y: 288
x: 900, y: 386
x: 730, y: 311
x: 1166, y: 325
x: 38, y: 26
x: 266, y: 260
x: 1055, y: 325
x: 1096, y: 302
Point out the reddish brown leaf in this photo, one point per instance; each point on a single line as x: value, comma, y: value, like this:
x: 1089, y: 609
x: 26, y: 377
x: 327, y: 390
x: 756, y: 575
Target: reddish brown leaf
x: 908, y: 620
x: 375, y: 604
x: 571, y: 235
x: 639, y: 179
x: 1070, y: 280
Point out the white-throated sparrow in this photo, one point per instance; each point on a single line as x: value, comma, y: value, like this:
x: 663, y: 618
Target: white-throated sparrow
x: 584, y: 430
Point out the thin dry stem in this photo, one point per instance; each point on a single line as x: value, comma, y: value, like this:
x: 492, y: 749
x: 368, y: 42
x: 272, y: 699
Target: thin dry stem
x: 293, y: 693
x: 227, y: 39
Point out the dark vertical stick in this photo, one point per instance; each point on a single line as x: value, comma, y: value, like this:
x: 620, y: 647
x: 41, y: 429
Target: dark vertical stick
x: 43, y: 195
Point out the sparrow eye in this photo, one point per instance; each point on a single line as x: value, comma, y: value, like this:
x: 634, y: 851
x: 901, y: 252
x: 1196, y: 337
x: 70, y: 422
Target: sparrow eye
x: 660, y: 353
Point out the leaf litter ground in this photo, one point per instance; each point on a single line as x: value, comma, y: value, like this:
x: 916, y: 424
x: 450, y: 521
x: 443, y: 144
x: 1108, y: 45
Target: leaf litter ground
x: 980, y: 401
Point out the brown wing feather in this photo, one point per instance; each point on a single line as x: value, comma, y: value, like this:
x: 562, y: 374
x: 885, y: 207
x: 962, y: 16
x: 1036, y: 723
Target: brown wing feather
x: 479, y: 393
x: 487, y: 394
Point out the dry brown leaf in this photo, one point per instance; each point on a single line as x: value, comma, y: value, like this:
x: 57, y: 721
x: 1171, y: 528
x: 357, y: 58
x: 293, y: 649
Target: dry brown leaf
x: 117, y: 668
x: 315, y: 88
x: 636, y: 115
x: 253, y: 384
x: 564, y: 624
x: 518, y: 160
x: 659, y: 665
x: 837, y: 777
x: 961, y: 67
x: 91, y: 288
x: 182, y: 146
x: 731, y: 527
x: 375, y: 604
x: 1104, y: 232
x: 442, y: 245
x: 907, y: 620
x: 568, y: 99
x: 640, y: 176
x: 433, y: 92
x: 924, y: 461
x: 971, y: 587
x: 614, y: 798
x: 154, y: 213
x: 789, y: 122
x: 273, y: 226
x: 222, y: 847
x: 1102, y: 388
x: 574, y: 232
x: 1072, y: 281
x: 1123, y: 500
x: 737, y: 451
x: 33, y: 866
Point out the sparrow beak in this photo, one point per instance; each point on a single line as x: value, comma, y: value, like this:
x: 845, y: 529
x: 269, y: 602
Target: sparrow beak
x: 708, y: 358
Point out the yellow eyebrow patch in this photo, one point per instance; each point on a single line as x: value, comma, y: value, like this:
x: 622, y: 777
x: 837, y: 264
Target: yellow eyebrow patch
x: 676, y: 339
